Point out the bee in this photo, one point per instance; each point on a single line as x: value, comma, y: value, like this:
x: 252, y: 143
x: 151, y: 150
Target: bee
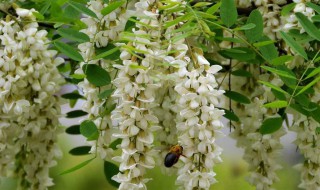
x: 173, y: 156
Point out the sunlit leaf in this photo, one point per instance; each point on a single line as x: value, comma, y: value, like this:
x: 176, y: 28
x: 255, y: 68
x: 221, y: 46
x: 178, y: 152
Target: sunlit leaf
x: 268, y: 84
x: 111, y: 7
x: 276, y: 104
x: 310, y: 84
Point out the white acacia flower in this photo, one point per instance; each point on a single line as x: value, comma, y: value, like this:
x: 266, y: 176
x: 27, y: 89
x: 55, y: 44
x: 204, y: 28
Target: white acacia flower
x: 29, y: 108
x: 260, y: 150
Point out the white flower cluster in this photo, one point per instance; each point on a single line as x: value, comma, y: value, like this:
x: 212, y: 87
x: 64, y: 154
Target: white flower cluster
x: 136, y: 90
x: 29, y: 110
x: 291, y: 21
x: 258, y: 3
x: 101, y: 31
x: 261, y: 151
x: 199, y: 122
x: 308, y: 142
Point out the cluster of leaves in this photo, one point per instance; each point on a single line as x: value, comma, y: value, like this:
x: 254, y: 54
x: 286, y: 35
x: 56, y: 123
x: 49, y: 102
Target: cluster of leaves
x: 259, y: 49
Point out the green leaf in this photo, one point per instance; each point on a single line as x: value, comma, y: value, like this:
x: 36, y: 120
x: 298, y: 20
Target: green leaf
x: 287, y: 9
x: 276, y: 104
x: 318, y: 130
x: 279, y: 72
x: 115, y: 143
x: 38, y: 15
x: 82, y: 164
x: 314, y: 7
x: 68, y: 51
x: 247, y: 26
x: 300, y: 109
x: 302, y: 99
x: 239, y: 53
x: 131, y: 23
x: 111, y: 7
x: 255, y: 34
x: 315, y: 114
x: 281, y: 60
x: 263, y: 43
x: 83, y: 9
x: 110, y: 170
x: 78, y: 76
x: 231, y: 115
x: 237, y: 97
x: 107, y: 53
x: 309, y: 85
x: 105, y: 94
x: 45, y: 7
x: 96, y: 75
x: 228, y: 12
x: 269, y: 52
x: 316, y: 18
x: 313, y: 73
x: 273, y: 87
x: 294, y: 45
x: 202, y: 4
x: 80, y: 151
x: 271, y: 125
x: 73, y: 130
x: 213, y: 9
x: 76, y: 113
x: 108, y: 110
x: 73, y: 35
x: 89, y: 130
x: 241, y: 73
x: 72, y: 95
x: 309, y: 27
x: 278, y: 95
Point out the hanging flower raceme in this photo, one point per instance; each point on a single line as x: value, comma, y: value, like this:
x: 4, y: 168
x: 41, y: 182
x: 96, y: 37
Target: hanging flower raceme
x: 102, y: 31
x: 198, y: 124
x: 260, y: 150
x: 29, y: 110
x: 136, y: 92
x: 308, y: 142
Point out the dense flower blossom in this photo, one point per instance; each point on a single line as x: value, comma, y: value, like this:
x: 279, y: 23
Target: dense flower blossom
x: 29, y: 110
x: 200, y: 127
x: 135, y: 91
x: 101, y: 31
x: 308, y: 144
x: 260, y: 151
x: 198, y: 122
